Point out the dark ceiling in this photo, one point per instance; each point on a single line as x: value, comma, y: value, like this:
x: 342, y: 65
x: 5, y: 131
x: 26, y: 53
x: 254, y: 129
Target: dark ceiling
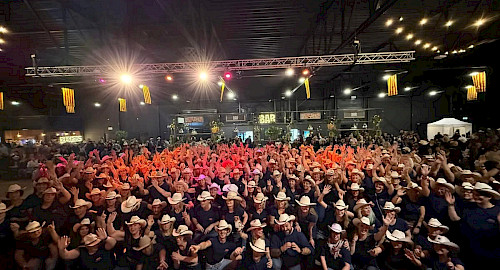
x: 71, y: 32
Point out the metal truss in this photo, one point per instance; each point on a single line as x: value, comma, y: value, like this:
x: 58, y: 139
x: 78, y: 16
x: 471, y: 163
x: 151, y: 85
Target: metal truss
x: 230, y: 65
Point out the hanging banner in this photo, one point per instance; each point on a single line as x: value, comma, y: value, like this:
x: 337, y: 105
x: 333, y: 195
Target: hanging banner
x: 147, y: 94
x: 479, y: 81
x: 222, y: 90
x: 471, y: 93
x: 70, y: 109
x: 392, y: 85
x: 1, y: 101
x: 123, y: 105
x: 308, y: 90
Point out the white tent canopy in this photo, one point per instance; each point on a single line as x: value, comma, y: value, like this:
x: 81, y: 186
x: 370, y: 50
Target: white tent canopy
x: 448, y: 126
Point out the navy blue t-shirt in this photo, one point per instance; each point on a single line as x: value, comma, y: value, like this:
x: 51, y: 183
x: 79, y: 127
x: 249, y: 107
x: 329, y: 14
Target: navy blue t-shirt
x: 205, y: 218
x: 218, y: 251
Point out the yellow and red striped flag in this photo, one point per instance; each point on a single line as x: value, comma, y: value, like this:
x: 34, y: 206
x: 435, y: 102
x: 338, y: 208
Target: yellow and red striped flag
x: 471, y: 93
x: 392, y: 85
x: 223, y: 85
x: 70, y: 109
x: 1, y: 101
x: 147, y: 94
x: 479, y: 81
x: 69, y: 99
x: 308, y: 89
x: 123, y: 105
x: 65, y: 96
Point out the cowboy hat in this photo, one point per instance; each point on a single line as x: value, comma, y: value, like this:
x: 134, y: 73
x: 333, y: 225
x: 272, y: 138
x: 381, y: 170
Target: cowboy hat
x: 42, y: 180
x: 135, y: 220
x: 413, y: 185
x: 223, y: 225
x: 442, y: 182
x: 4, y: 208
x: 101, y: 176
x: 305, y: 201
x: 460, y: 190
x: 369, y: 167
x: 330, y: 171
x: 272, y: 161
x: 131, y: 203
x: 166, y: 219
x: 159, y: 202
x: 358, y: 172
x: 423, y: 142
x: 200, y: 177
x: 379, y: 179
x: 50, y: 190
x: 284, y: 218
x: 309, y: 178
x: 91, y: 240
x: 95, y: 191
x: 316, y: 171
x: 231, y: 195
x: 360, y: 203
x: 205, y: 195
x: 395, y: 174
x: 390, y: 207
x: 89, y: 170
x: 230, y: 187
x: 276, y: 173
x: 254, y: 224
x: 340, y: 205
x: 214, y: 185
x: 336, y: 228
x: 80, y: 202
x: 251, y: 184
x: 256, y: 171
x: 14, y: 188
x: 259, y: 198
x: 112, y: 195
x: 34, y: 226
x: 175, y: 199
x: 182, y: 230
x: 281, y: 197
x: 84, y: 222
x: 443, y: 240
x: 108, y: 184
x: 144, y: 242
x: 434, y: 223
x: 362, y: 220
x: 125, y: 186
x: 356, y: 187
x: 482, y: 187
x: 259, y: 245
x: 397, y: 236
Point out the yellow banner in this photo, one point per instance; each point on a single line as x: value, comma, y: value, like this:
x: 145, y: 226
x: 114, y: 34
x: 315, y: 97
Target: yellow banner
x: 223, y: 85
x: 147, y: 94
x: 471, y: 93
x: 1, y: 101
x: 392, y: 85
x: 123, y: 105
x: 479, y: 81
x: 70, y: 109
x: 308, y: 89
x: 68, y: 97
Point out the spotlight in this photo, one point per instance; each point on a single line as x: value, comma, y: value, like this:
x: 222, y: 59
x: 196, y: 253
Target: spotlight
x: 101, y: 80
x: 142, y: 103
x: 454, y: 51
x: 407, y: 88
x: 409, y: 36
x: 434, y: 48
x: 141, y: 86
x: 381, y: 95
x: 427, y: 45
x: 15, y: 103
x: 302, y: 79
x: 228, y: 75
x: 468, y: 86
x: 433, y: 93
x: 399, y: 30
x: 203, y: 76
x: 289, y: 72
x: 448, y: 23
x: 305, y: 72
x: 474, y: 74
x: 219, y: 83
x: 43, y: 134
x: 2, y: 41
x: 418, y: 41
x: 3, y: 30
x: 479, y: 22
x: 231, y: 95
x: 125, y: 78
x: 461, y: 51
x: 400, y: 19
x: 347, y: 91
x: 423, y: 21
x: 471, y: 46
x: 386, y: 77
x: 388, y: 22
x: 169, y: 78
x: 175, y: 97
x: 97, y: 104
x: 288, y: 93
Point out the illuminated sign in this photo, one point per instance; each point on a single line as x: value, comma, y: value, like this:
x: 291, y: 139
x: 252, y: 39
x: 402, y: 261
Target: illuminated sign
x: 267, y: 118
x: 193, y: 119
x: 310, y: 116
x: 70, y: 139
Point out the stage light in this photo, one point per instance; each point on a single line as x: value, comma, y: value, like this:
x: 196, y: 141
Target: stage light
x: 288, y: 93
x: 381, y: 95
x: 347, y: 91
x: 15, y: 103
x: 407, y: 88
x: 141, y: 86
x: 175, y: 97
x: 468, y: 86
x: 142, y: 103
x: 386, y: 77
x: 43, y: 134
x: 479, y: 22
x: 388, y: 22
x: 219, y: 83
x: 289, y: 72
x: 433, y: 93
x: 302, y: 79
x: 471, y: 46
x: 305, y: 72
x: 418, y: 41
x: 461, y: 51
x: 399, y: 30
x: 454, y: 52
x: 125, y: 78
x: 3, y: 30
x: 400, y: 19
x: 426, y: 45
x: 231, y: 95
x: 409, y: 36
x: 228, y: 75
x: 434, y: 48
x: 448, y: 23
x: 169, y: 78
x: 97, y: 104
x: 203, y: 76
x: 2, y: 41
x: 474, y: 74
x: 423, y: 21
x: 101, y: 80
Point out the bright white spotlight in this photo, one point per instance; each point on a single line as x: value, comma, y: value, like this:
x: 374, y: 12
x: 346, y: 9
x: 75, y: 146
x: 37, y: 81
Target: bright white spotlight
x: 3, y: 30
x: 175, y: 97
x: 302, y: 79
x: 401, y: 19
x: 15, y: 103
x: 2, y: 41
x: 203, y: 76
x: 448, y: 23
x: 407, y: 88
x: 289, y: 72
x: 468, y: 86
x: 433, y: 93
x: 142, y: 103
x: 126, y: 78
x: 141, y: 86
x: 288, y: 93
x: 409, y: 36
x: 435, y: 48
x: 97, y: 104
x: 479, y: 22
x: 399, y: 30
x: 426, y: 45
x: 471, y: 46
x: 347, y: 91
x: 418, y: 41
x: 386, y: 77
x: 388, y: 22
x: 423, y: 21
x: 219, y: 83
x: 474, y: 74
x: 231, y: 95
x: 381, y: 95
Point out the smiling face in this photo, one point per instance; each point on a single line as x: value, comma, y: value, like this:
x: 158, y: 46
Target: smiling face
x: 111, y: 203
x: 80, y: 211
x: 334, y: 237
x: 304, y: 209
x: 366, y: 210
x: 257, y: 233
x: 397, y: 245
x: 36, y: 234
x: 363, y: 228
x: 223, y: 233
x: 379, y: 187
x: 83, y: 230
x: 49, y: 197
x: 441, y: 249
x: 134, y: 228
x: 481, y: 197
x: 339, y: 212
x: 156, y: 209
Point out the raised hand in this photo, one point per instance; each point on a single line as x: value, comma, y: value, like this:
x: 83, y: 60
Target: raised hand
x: 74, y: 191
x: 112, y: 217
x: 101, y: 233
x: 401, y: 192
x: 450, y: 199
x: 327, y: 189
x: 388, y: 219
x: 194, y: 248
x: 151, y: 220
x: 63, y: 242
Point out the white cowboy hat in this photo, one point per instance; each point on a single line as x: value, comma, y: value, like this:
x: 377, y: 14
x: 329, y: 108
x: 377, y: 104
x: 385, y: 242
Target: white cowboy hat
x: 443, y: 182
x: 423, y: 142
x: 176, y: 198
x: 251, y: 184
x: 443, y: 240
x: 259, y: 245
x: 112, y: 195
x: 317, y: 170
x: 369, y: 167
x: 256, y: 171
x: 223, y: 225
x: 14, y: 188
x: 461, y: 189
x: 305, y: 201
x: 34, y: 226
x: 42, y: 180
x: 254, y: 224
x: 125, y: 186
x: 89, y: 170
x: 309, y: 178
x: 91, y: 240
x: 482, y: 187
x: 4, y: 208
x: 434, y: 223
x: 272, y: 161
x: 157, y: 174
x: 284, y: 218
x: 230, y: 187
x: 231, y: 195
x: 50, y: 190
x: 358, y: 172
x: 356, y: 187
x: 80, y: 202
x: 395, y: 174
x: 397, y: 236
x: 159, y: 202
x: 360, y: 203
x: 95, y: 191
x: 144, y: 242
x: 362, y: 220
x: 276, y: 173
x: 335, y: 227
x: 85, y: 221
x: 340, y: 204
x: 101, y: 176
x: 379, y: 179
x: 182, y: 230
x: 259, y: 198
x: 413, y: 185
x: 166, y: 219
x: 205, y: 195
x: 281, y: 197
x: 135, y: 220
x: 390, y: 207
x: 330, y: 172
x: 131, y: 203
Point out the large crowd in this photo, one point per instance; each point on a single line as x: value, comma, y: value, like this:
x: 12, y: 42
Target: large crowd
x: 402, y: 203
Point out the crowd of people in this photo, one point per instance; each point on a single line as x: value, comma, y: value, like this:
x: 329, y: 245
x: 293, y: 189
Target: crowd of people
x: 400, y: 204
